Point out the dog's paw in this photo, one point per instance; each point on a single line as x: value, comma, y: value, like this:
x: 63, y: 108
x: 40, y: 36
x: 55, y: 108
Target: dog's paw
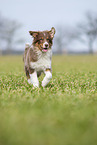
x: 29, y: 81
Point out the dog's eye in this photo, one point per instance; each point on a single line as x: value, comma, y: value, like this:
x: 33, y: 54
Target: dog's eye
x: 41, y: 39
x: 49, y: 40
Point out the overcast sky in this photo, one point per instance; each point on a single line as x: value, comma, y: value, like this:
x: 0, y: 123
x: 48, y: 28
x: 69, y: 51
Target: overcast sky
x: 43, y: 14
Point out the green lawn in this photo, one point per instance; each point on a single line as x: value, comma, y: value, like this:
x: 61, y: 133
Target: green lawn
x: 63, y: 113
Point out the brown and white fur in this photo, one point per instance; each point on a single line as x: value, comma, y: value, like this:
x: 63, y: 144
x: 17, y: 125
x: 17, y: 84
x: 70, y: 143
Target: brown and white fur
x: 37, y: 57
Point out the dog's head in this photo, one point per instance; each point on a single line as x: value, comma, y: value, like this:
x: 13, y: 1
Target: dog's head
x: 43, y: 39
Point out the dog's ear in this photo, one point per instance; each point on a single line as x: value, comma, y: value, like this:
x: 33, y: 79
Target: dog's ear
x: 33, y: 33
x: 52, y: 32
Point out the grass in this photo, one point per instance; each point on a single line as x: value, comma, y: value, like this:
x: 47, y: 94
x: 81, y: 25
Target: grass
x: 63, y: 113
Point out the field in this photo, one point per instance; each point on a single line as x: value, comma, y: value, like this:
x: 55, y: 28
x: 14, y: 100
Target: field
x: 63, y: 113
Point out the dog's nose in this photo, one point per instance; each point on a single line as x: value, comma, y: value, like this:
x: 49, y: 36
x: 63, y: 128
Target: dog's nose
x: 46, y: 45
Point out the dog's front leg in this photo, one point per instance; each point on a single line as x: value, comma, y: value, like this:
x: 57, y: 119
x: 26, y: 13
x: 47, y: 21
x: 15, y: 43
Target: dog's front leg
x: 47, y: 78
x: 34, y: 79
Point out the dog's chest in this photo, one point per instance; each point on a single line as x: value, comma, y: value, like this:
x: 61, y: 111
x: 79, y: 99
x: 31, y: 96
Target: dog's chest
x: 43, y: 62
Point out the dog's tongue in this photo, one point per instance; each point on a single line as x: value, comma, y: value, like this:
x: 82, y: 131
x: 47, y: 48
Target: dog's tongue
x: 44, y: 50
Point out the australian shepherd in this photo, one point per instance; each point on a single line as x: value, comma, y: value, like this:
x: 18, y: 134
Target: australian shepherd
x: 37, y: 57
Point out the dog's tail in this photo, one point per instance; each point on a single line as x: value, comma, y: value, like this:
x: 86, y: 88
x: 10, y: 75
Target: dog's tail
x: 27, y: 46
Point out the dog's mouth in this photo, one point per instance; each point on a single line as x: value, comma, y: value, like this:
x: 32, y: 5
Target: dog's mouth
x: 44, y: 49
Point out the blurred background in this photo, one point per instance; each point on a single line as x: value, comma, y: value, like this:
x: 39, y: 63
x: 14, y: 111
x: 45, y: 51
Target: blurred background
x: 75, y: 23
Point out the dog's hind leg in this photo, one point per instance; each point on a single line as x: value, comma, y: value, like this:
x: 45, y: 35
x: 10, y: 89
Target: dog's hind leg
x: 28, y: 75
x: 38, y: 74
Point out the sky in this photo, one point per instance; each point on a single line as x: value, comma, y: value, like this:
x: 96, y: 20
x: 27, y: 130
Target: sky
x: 43, y: 14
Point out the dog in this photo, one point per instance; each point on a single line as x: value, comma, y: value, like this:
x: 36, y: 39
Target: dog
x: 37, y: 57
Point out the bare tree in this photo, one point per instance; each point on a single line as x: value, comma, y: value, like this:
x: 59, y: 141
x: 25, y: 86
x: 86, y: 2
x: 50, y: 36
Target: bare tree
x: 64, y: 36
x: 1, y: 28
x: 8, y: 30
x: 87, y: 30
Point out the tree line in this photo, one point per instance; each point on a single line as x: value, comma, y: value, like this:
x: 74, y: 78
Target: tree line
x: 84, y: 32
x: 8, y: 34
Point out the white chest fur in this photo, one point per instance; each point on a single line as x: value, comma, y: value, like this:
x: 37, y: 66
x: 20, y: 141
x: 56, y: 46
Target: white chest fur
x: 43, y: 62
